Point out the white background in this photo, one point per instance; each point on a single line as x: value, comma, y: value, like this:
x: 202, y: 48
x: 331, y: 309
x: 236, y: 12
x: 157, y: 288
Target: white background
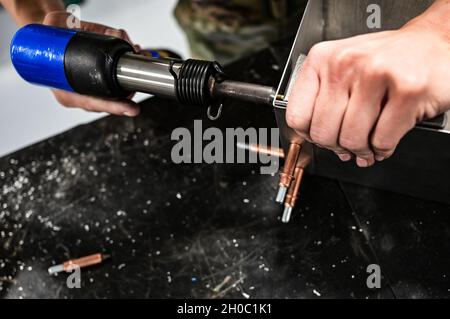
x: 29, y: 114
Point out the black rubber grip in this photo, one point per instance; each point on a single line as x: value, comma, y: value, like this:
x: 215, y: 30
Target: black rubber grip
x: 90, y: 64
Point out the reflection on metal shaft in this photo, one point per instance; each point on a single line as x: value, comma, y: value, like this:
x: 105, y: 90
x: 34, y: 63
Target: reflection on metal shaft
x: 245, y: 92
x: 147, y: 75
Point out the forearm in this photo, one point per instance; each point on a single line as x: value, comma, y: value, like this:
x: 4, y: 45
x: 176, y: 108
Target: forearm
x: 31, y: 11
x: 436, y: 18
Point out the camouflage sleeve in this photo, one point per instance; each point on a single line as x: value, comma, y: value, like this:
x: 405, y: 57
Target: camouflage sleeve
x: 225, y: 30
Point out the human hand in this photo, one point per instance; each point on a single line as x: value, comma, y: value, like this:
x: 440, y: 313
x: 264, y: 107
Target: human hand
x: 118, y: 107
x: 360, y: 96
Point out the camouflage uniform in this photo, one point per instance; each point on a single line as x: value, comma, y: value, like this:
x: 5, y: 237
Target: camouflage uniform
x: 225, y: 30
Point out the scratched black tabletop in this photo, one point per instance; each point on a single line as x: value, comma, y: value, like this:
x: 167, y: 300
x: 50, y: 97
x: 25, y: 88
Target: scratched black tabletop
x: 204, y: 231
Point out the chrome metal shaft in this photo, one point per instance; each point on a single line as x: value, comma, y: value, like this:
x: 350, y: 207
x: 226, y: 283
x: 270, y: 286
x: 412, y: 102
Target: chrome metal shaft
x: 139, y: 73
x: 245, y: 92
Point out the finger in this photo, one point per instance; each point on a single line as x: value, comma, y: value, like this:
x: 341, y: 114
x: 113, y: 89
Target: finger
x: 92, y: 104
x: 125, y: 36
x: 118, y: 33
x: 95, y: 27
x: 301, y: 102
x: 57, y: 18
x: 327, y: 117
x: 60, y: 19
x: 395, y: 121
x: 360, y: 118
x: 103, y: 29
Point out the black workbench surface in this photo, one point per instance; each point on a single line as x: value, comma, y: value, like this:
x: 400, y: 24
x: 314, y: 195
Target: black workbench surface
x: 194, y: 231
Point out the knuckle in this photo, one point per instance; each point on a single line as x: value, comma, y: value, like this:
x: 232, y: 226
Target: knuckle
x: 122, y: 34
x: 319, y: 50
x: 410, y: 85
x: 374, y: 67
x: 383, y: 145
x: 49, y: 18
x: 63, y: 100
x: 55, y: 18
x: 114, y: 33
x: 344, y: 57
x: 292, y: 120
x: 321, y: 135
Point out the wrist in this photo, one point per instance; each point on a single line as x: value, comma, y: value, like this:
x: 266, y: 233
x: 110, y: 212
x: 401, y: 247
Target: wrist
x: 435, y: 20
